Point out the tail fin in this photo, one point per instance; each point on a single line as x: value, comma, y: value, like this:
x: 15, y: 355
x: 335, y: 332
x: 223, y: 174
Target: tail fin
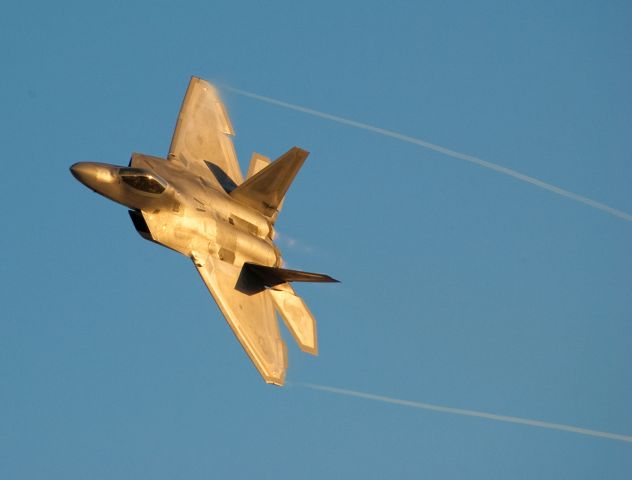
x: 257, y: 163
x: 255, y: 278
x: 264, y: 191
x: 273, y: 276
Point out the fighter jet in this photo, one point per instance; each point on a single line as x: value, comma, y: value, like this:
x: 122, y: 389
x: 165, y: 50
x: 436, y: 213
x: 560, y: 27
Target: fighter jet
x: 197, y: 203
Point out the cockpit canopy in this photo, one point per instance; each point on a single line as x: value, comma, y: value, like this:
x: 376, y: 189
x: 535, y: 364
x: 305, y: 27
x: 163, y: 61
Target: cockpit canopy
x: 143, y: 180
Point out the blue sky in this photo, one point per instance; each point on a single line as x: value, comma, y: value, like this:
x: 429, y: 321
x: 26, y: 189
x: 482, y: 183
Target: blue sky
x: 461, y: 286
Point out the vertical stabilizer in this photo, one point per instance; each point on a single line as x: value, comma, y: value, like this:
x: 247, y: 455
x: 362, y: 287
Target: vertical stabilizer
x: 264, y: 191
x: 257, y: 163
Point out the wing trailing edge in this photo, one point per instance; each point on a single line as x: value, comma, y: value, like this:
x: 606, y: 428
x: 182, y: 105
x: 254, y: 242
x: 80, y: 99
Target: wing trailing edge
x: 250, y: 316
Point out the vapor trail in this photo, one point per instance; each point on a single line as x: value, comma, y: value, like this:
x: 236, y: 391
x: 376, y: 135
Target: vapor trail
x: 470, y: 413
x: 438, y: 148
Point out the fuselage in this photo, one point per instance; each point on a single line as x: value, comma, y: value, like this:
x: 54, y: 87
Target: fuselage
x: 193, y: 215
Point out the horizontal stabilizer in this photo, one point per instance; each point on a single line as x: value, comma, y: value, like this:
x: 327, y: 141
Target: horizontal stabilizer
x: 297, y: 317
x: 272, y: 276
x: 264, y: 191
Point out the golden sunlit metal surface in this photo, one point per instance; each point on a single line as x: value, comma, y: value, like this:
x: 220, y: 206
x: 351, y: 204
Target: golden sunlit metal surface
x: 197, y: 203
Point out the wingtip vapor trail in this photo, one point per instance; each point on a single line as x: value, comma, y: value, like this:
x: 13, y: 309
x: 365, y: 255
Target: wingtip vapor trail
x: 469, y: 413
x: 440, y: 149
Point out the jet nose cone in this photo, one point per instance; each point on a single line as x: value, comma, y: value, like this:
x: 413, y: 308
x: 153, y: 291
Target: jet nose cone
x: 94, y: 175
x: 82, y: 171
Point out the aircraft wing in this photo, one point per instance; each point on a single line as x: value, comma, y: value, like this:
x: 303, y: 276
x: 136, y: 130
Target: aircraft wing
x: 251, y: 318
x: 201, y: 140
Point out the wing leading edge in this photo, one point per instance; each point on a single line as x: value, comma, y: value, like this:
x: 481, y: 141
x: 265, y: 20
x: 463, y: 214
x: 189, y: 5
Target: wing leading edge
x: 201, y: 140
x: 251, y: 317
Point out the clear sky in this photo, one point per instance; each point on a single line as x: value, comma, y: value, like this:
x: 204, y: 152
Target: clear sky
x: 462, y: 287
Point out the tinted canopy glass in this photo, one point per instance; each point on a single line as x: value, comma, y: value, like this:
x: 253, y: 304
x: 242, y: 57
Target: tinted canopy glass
x: 142, y: 180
